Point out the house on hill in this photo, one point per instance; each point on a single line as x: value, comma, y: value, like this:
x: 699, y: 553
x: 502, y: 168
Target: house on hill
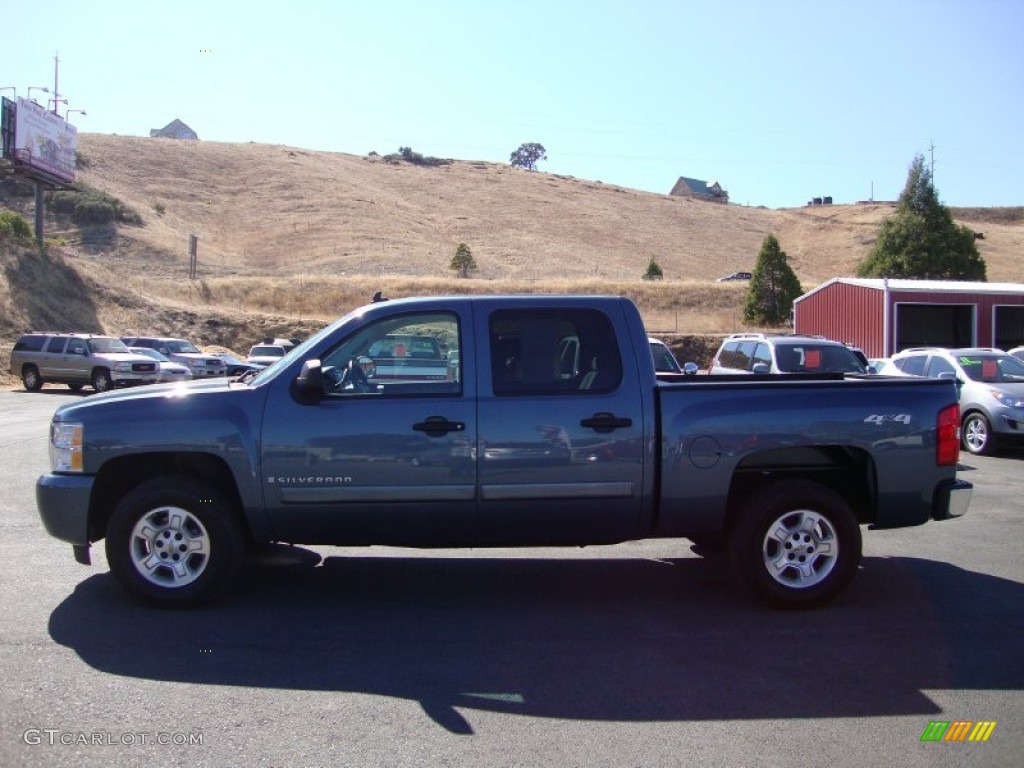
x: 174, y: 130
x: 700, y: 190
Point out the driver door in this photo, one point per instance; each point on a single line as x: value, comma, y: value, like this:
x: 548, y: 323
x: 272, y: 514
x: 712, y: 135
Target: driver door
x: 388, y: 455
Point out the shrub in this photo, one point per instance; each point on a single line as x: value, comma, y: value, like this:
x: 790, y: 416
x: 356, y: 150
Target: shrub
x: 654, y: 271
x: 14, y: 226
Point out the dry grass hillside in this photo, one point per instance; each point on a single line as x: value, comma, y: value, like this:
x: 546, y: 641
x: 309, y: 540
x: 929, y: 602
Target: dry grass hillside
x: 292, y: 237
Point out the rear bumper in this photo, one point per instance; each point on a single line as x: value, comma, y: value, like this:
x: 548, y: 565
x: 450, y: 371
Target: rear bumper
x: 952, y: 500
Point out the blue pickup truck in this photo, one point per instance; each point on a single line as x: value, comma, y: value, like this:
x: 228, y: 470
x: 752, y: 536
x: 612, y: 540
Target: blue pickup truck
x: 551, y: 427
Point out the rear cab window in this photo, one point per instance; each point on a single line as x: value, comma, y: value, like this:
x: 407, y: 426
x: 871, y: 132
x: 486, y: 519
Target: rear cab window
x: 553, y: 351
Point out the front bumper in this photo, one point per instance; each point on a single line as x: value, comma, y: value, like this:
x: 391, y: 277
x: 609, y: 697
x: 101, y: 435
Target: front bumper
x: 63, y: 504
x: 952, y: 500
x: 126, y: 377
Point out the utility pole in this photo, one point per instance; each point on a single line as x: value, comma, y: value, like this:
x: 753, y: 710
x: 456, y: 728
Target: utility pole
x: 931, y: 150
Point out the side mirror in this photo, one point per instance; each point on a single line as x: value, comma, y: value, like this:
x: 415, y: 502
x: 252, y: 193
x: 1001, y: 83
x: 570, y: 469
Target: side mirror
x: 872, y: 370
x: 308, y: 387
x: 690, y: 369
x: 761, y: 368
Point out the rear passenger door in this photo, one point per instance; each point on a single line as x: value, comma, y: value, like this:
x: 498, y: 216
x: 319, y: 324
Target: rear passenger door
x: 51, y: 362
x: 560, y: 451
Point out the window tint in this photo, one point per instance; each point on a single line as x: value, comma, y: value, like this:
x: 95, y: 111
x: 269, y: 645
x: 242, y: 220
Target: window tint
x: 939, y: 365
x: 76, y: 347
x: 29, y: 344
x: 553, y: 351
x: 762, y: 354
x: 914, y: 365
x: 737, y: 354
x: 377, y: 360
x: 56, y: 344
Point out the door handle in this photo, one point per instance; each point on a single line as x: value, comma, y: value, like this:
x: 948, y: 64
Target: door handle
x: 437, y: 426
x: 606, y: 422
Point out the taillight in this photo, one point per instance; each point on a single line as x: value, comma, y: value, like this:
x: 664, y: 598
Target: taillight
x: 947, y: 445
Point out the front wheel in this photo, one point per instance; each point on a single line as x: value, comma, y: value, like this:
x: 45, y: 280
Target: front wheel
x: 31, y: 379
x: 101, y: 380
x: 977, y: 435
x: 174, y: 542
x: 796, y: 545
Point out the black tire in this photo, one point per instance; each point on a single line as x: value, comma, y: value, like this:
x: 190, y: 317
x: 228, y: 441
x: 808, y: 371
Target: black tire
x: 797, y: 544
x: 976, y: 435
x: 175, y: 542
x: 101, y: 380
x: 31, y: 379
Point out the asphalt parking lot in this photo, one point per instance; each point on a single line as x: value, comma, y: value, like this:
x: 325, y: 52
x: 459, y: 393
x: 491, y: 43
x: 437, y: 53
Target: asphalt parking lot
x: 641, y: 654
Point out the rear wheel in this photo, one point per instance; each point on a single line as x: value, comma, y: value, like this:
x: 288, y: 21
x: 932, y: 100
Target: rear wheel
x: 796, y: 545
x: 175, y: 542
x: 977, y: 435
x: 31, y: 379
x: 101, y: 380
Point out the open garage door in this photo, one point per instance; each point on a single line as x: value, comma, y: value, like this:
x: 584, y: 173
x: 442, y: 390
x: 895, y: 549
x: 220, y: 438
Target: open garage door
x: 1009, y: 330
x: 934, y: 325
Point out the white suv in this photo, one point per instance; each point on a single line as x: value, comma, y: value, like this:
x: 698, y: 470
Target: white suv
x: 782, y: 353
x: 991, y: 385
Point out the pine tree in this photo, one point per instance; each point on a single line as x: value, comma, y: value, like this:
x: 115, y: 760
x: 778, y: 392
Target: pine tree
x: 463, y: 261
x: 773, y: 287
x: 921, y: 240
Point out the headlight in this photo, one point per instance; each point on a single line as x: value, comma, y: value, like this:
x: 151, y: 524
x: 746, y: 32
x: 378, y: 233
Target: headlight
x: 123, y: 367
x: 66, y: 446
x: 1010, y: 401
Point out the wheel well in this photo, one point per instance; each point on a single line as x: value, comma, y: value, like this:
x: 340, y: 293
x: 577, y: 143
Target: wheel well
x: 850, y: 472
x: 120, y: 475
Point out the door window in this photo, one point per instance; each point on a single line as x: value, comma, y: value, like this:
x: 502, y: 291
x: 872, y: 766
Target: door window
x: 554, y: 351
x: 56, y: 344
x: 406, y: 355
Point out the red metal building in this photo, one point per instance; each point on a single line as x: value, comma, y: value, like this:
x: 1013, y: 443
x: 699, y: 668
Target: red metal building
x: 883, y: 316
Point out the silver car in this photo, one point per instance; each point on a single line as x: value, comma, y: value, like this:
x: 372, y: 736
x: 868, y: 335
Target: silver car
x: 169, y: 370
x: 991, y: 385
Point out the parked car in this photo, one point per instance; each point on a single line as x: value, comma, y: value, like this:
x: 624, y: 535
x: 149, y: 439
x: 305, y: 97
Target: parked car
x: 78, y: 359
x: 1017, y: 352
x: 664, y: 360
x: 262, y: 355
x: 735, y: 276
x: 783, y: 353
x: 203, y: 366
x: 235, y: 366
x: 883, y: 366
x: 169, y: 370
x: 991, y: 385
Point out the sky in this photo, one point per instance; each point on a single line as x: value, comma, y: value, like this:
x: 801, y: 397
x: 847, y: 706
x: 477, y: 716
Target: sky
x: 779, y: 101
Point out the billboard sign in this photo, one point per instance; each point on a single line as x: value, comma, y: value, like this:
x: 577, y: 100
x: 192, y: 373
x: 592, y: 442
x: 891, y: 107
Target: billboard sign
x: 45, y: 141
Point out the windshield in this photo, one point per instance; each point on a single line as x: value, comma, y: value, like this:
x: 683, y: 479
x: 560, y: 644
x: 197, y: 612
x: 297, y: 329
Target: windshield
x: 817, y: 358
x: 179, y: 346
x: 992, y: 369
x: 266, y: 351
x: 149, y: 353
x: 106, y: 345
x: 302, y: 350
x: 664, y: 360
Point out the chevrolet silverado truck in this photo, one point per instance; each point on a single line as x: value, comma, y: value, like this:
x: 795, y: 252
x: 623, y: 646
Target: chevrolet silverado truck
x: 552, y: 429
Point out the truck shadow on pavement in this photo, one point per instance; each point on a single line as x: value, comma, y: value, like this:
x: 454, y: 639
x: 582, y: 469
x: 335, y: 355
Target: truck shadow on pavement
x: 583, y: 639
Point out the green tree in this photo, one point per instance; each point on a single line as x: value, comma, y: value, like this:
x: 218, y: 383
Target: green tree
x: 463, y: 261
x: 653, y: 271
x: 921, y: 240
x: 773, y: 286
x: 528, y: 155
x: 14, y: 226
